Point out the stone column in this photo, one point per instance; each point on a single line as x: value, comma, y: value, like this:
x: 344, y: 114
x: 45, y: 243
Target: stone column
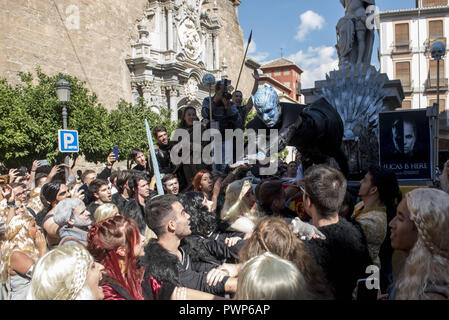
x: 210, y: 52
x: 216, y: 52
x: 173, y: 103
x: 170, y: 28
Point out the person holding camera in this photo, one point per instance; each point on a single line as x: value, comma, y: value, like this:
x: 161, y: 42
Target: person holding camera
x: 225, y: 114
x: 237, y: 98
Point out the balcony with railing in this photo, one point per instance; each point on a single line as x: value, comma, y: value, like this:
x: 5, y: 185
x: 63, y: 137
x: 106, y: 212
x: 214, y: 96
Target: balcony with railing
x: 432, y: 83
x: 431, y: 41
x: 401, y: 47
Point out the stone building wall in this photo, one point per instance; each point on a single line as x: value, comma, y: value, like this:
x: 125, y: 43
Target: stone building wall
x: 100, y: 32
x: 91, y: 40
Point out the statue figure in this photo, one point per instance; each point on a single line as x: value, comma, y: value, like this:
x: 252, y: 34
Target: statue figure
x: 354, y: 39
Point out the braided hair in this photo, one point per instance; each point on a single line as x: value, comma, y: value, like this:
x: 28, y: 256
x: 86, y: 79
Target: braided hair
x: 61, y: 274
x: 103, y: 240
x: 428, y: 261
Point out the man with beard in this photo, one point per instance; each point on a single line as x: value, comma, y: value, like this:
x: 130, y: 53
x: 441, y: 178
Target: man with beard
x: 74, y: 221
x: 162, y: 149
x: 165, y: 260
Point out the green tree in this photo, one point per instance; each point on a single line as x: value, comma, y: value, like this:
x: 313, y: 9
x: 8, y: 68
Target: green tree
x: 127, y: 125
x: 30, y: 116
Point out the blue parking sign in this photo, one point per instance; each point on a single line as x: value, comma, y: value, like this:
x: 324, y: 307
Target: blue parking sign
x: 68, y: 141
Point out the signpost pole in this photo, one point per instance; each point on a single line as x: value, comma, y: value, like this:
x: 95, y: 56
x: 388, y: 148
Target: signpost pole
x: 64, y: 126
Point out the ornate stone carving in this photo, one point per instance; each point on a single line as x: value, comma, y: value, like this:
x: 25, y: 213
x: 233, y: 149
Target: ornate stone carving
x: 190, y: 38
x: 187, y: 8
x: 191, y: 89
x: 147, y: 86
x: 173, y: 91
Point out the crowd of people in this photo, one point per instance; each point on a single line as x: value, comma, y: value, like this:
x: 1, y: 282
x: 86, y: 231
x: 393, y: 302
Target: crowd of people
x: 218, y: 231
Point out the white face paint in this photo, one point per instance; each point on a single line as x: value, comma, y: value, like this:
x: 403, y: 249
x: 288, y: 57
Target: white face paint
x: 267, y: 105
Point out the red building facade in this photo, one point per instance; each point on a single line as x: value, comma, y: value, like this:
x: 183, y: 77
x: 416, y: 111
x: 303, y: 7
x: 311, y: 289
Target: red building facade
x: 286, y: 73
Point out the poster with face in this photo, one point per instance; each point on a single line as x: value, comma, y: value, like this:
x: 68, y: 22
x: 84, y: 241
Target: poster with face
x: 405, y: 144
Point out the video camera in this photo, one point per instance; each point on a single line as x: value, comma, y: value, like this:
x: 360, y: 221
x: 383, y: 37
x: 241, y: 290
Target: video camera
x: 225, y: 82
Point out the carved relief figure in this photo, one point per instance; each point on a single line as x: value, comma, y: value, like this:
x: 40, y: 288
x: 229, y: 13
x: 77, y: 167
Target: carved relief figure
x: 190, y: 39
x: 354, y: 39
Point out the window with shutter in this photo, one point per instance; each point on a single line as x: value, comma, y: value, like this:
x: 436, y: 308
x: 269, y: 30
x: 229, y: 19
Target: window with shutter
x: 401, y: 34
x: 406, y: 104
x: 403, y: 73
x: 436, y: 30
x: 442, y: 107
x: 433, y: 69
x: 433, y: 3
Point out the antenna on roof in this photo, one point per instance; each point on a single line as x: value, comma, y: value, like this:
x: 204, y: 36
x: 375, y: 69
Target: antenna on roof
x: 281, y: 54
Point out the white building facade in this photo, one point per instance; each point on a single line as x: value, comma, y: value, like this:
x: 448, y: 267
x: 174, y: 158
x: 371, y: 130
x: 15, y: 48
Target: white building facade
x: 405, y: 38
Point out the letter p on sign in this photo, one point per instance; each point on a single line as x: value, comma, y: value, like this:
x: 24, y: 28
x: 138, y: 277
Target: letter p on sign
x: 68, y: 141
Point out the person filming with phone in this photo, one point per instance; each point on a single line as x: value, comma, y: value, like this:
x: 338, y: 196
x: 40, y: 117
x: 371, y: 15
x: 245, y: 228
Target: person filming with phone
x: 224, y: 113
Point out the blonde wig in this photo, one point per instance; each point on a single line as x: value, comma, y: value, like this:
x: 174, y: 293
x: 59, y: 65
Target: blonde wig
x: 272, y: 234
x: 269, y: 277
x: 234, y: 206
x: 61, y: 274
x: 428, y: 262
x: 17, y: 239
x: 104, y: 212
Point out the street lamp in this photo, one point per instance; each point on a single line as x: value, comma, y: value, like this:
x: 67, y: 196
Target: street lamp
x: 63, y: 88
x: 63, y: 92
x: 438, y: 51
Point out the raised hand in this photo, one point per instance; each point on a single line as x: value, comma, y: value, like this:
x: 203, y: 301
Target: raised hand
x: 13, y: 174
x: 230, y: 242
x: 41, y: 243
x: 77, y: 193
x: 215, y: 276
x: 8, y: 194
x: 111, y: 159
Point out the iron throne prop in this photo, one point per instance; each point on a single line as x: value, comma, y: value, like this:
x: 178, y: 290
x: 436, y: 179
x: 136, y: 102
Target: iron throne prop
x: 358, y: 98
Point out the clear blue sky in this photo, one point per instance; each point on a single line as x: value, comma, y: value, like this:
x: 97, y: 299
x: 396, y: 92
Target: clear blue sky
x: 304, y: 29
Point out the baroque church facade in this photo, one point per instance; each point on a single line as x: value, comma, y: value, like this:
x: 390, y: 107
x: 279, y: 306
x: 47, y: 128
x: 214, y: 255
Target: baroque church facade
x: 178, y: 42
x: 158, y: 50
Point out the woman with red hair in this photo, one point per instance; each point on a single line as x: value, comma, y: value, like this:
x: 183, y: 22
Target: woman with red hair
x: 203, y: 182
x: 116, y: 244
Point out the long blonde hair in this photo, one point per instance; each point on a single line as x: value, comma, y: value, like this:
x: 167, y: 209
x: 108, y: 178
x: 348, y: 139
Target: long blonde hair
x: 17, y: 239
x: 234, y: 206
x: 428, y: 261
x: 61, y: 274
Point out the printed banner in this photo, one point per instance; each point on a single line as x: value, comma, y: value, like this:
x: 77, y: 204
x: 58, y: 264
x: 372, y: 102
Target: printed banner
x: 405, y: 144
